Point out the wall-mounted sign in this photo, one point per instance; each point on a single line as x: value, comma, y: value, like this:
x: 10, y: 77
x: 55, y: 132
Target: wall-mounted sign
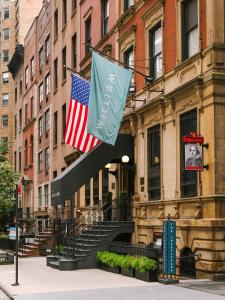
x: 169, y: 247
x: 193, y: 151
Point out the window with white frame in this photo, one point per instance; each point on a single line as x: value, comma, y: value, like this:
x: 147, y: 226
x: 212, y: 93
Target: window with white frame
x: 5, y: 99
x: 47, y: 85
x: 41, y: 58
x: 26, y: 76
x: 5, y: 121
x: 105, y: 17
x: 40, y: 162
x: 47, y: 120
x: 190, y: 38
x: 5, y: 77
x: 129, y: 60
x: 41, y: 95
x: 40, y: 127
x: 5, y: 33
x: 47, y: 158
x: 155, y: 46
x: 5, y: 55
x: 6, y: 13
x: 32, y: 68
x: 47, y: 47
x: 46, y: 194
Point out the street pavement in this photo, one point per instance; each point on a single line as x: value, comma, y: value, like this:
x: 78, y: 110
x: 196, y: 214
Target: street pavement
x: 37, y: 281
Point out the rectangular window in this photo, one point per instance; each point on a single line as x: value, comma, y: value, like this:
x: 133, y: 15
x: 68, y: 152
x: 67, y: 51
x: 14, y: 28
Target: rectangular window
x: 26, y: 114
x: 74, y: 51
x: 55, y: 74
x: 21, y: 84
x: 5, y: 121
x: 4, y: 140
x: 64, y: 64
x: 47, y: 85
x: 47, y: 120
x: 127, y: 4
x: 31, y: 108
x: 5, y: 55
x: 6, y: 14
x: 46, y: 194
x: 63, y: 120
x: 5, y: 34
x: 188, y: 179
x: 40, y: 195
x: 55, y: 136
x: 154, y: 176
x: 64, y: 20
x: 155, y: 38
x: 105, y: 17
x: 5, y: 77
x: 26, y: 77
x: 47, y: 48
x: 56, y: 24
x: 129, y: 61
x: 96, y: 189
x: 20, y: 160
x: 87, y: 194
x: 32, y: 68
x: 87, y: 35
x: 74, y: 5
x: 15, y: 91
x: 40, y: 162
x: 15, y: 126
x: 47, y: 158
x: 41, y: 58
x: 20, y: 119
x: 5, y: 99
x: 190, y: 28
x: 40, y: 127
x: 15, y: 160
x: 41, y: 96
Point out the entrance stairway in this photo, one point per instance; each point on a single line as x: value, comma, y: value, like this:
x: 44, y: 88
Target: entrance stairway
x: 33, y: 249
x: 80, y: 251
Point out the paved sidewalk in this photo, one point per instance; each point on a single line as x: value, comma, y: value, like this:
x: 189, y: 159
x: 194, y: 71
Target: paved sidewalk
x: 37, y: 281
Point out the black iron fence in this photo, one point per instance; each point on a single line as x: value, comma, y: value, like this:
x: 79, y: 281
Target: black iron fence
x: 7, y: 244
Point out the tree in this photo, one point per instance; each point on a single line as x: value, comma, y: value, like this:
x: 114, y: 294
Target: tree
x: 8, y: 180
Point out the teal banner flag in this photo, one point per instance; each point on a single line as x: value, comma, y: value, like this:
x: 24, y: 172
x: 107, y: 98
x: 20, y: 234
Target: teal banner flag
x: 108, y: 93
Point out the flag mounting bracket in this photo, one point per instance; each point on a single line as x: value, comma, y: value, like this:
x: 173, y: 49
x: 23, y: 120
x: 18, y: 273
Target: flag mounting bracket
x: 75, y: 72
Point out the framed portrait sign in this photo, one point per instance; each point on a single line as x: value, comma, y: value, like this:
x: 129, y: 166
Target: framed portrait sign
x: 193, y: 154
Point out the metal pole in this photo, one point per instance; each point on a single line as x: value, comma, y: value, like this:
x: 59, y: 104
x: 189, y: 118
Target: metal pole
x: 17, y: 236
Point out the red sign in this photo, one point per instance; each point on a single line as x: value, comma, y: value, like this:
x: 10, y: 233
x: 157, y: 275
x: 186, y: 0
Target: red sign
x: 193, y: 138
x: 19, y: 189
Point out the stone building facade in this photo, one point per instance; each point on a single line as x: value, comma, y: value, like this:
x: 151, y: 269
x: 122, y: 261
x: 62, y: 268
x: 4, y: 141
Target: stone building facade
x: 7, y: 45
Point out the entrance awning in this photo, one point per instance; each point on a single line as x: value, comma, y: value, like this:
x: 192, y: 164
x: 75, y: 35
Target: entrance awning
x: 86, y: 166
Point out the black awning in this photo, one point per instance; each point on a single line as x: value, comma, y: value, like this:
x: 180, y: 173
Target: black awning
x: 86, y: 166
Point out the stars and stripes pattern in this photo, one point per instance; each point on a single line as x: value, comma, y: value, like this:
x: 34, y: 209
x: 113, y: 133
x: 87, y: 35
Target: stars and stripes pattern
x: 76, y: 134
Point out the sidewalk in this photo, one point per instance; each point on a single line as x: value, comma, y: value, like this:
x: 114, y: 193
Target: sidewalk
x: 37, y: 281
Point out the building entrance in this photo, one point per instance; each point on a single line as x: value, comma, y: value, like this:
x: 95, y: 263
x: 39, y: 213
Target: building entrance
x: 187, y: 263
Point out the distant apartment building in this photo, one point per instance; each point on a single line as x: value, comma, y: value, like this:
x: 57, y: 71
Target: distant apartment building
x: 7, y: 46
x: 43, y: 134
x: 65, y: 52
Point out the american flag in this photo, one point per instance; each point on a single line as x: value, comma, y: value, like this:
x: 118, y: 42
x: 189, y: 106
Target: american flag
x: 76, y: 133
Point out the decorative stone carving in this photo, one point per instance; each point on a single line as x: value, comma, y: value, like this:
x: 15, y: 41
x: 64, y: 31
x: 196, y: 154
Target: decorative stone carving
x: 161, y: 212
x: 143, y: 212
x: 198, y: 213
x: 176, y: 213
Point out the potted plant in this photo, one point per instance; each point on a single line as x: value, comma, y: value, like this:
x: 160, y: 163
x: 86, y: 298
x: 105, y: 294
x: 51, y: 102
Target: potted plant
x: 109, y: 261
x: 126, y: 266
x: 145, y: 269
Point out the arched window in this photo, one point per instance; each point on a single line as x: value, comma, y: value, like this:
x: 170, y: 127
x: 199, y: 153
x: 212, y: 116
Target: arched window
x: 25, y: 154
x: 31, y: 149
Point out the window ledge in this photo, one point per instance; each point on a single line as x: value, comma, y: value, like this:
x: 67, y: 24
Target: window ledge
x: 55, y: 91
x: 55, y: 146
x: 187, y: 61
x: 64, y: 81
x: 55, y: 40
x: 64, y: 26
x: 74, y: 12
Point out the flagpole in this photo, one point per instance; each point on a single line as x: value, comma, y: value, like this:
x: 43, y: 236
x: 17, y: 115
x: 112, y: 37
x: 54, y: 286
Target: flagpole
x: 147, y: 78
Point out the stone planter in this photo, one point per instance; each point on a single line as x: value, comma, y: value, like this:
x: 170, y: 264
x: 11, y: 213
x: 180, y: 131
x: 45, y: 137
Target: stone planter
x: 149, y: 276
x: 128, y: 272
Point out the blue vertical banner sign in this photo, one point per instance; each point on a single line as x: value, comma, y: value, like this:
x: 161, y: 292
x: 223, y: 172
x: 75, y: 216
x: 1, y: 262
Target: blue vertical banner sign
x: 108, y: 93
x: 169, y: 247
